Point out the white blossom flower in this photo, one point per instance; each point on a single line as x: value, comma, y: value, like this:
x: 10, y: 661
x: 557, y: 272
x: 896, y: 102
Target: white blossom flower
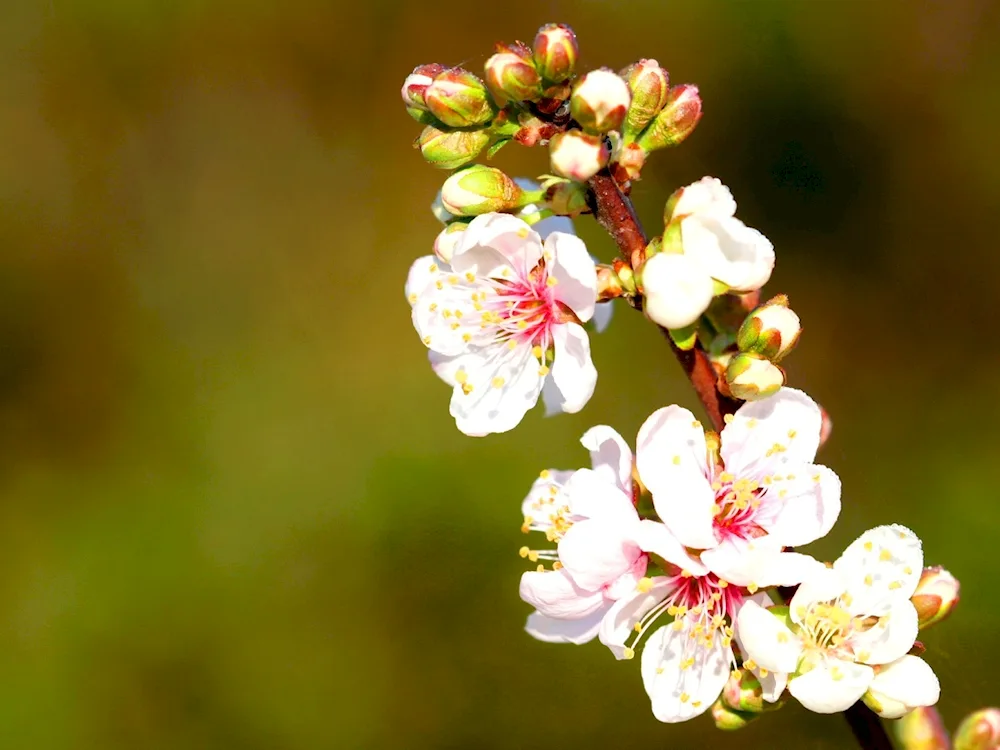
x: 589, y: 513
x: 740, y: 503
x: 503, y: 321
x: 727, y: 249
x: 847, y: 630
x: 676, y: 290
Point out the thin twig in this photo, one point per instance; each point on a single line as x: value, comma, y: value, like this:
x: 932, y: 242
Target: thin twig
x: 615, y: 213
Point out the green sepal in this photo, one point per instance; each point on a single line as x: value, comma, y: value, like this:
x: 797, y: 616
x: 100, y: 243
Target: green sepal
x: 685, y: 338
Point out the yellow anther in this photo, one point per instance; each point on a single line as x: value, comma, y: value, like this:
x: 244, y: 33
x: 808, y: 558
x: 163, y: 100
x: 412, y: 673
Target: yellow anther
x: 687, y: 663
x: 427, y: 340
x: 523, y: 552
x: 522, y: 324
x: 466, y: 388
x: 545, y: 474
x: 540, y: 568
x: 723, y: 584
x: 497, y: 382
x: 637, y: 627
x: 644, y: 584
x: 628, y: 653
x: 863, y: 656
x: 908, y: 570
x: 466, y: 337
x: 433, y: 268
x: 551, y: 281
x: 837, y: 674
x: 895, y: 585
x: 678, y: 624
x: 869, y: 580
x: 885, y: 555
x: 461, y: 376
x: 685, y: 697
x: 725, y: 477
x: 750, y: 664
x: 716, y: 485
x: 543, y: 371
x: 523, y: 232
x: 846, y: 599
x: 557, y: 565
x: 536, y: 351
x: 533, y: 555
x: 659, y: 670
x: 412, y: 298
x: 728, y: 419
x: 677, y: 460
x: 792, y: 434
x: 686, y: 573
x: 869, y: 546
x: 695, y: 704
x: 470, y: 276
x: 439, y: 284
x: 752, y: 587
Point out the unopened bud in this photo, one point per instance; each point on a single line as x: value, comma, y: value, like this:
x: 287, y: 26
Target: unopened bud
x: 728, y: 719
x: 772, y: 330
x: 649, y: 84
x: 921, y: 729
x: 676, y: 120
x: 459, y: 99
x: 556, y: 51
x: 677, y: 290
x: 599, y: 101
x: 479, y: 190
x: 417, y: 82
x: 630, y: 162
x: 751, y: 376
x: 743, y: 692
x: 448, y: 239
x: 980, y: 730
x: 566, y: 197
x: 451, y: 150
x: 936, y: 596
x: 511, y: 75
x: 578, y: 156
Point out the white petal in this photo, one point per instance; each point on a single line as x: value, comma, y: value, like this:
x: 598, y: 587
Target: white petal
x: 487, y: 408
x: 620, y: 621
x: 609, y: 455
x: 553, y: 593
x: 759, y: 562
x: 545, y: 496
x: 728, y: 250
x: 593, y: 495
x: 707, y: 196
x: 821, y: 585
x: 810, y: 507
x: 597, y: 551
x: 890, y: 638
x: 422, y: 272
x: 904, y: 685
x: 670, y: 436
x: 680, y: 694
x: 767, y: 640
x: 551, y: 630
x: 575, y: 274
x: 881, y: 566
x: 512, y: 238
x: 655, y: 538
x: 831, y: 686
x: 603, y: 313
x: 787, y: 424
x: 676, y: 290
x: 574, y: 377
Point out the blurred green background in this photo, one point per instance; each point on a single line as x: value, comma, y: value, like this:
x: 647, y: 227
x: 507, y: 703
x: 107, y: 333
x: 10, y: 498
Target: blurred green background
x: 235, y: 511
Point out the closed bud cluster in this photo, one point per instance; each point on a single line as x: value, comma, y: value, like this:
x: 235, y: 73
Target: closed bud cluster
x: 649, y: 85
x: 751, y: 376
x: 452, y: 149
x: 936, y: 595
x: 599, y: 101
x: 922, y: 729
x: 577, y: 155
x: 479, y: 190
x: 459, y: 99
x: 556, y: 51
x: 980, y: 730
x: 772, y: 330
x: 729, y: 719
x: 676, y: 120
x: 511, y: 75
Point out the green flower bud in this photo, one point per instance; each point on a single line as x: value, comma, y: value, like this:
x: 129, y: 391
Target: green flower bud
x: 751, y: 376
x: 743, y: 692
x: 511, y: 75
x: 416, y: 84
x: 556, y: 51
x: 599, y: 101
x: 649, y: 84
x: 451, y: 150
x: 921, y: 729
x: 479, y: 190
x: 980, y: 730
x: 459, y: 99
x: 772, y: 330
x: 729, y: 720
x: 936, y: 596
x: 578, y: 156
x: 676, y: 120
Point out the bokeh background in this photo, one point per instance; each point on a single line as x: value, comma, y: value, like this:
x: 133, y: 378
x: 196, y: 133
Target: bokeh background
x: 234, y: 512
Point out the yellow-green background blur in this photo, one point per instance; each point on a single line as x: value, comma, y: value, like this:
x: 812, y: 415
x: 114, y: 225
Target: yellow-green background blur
x: 234, y: 511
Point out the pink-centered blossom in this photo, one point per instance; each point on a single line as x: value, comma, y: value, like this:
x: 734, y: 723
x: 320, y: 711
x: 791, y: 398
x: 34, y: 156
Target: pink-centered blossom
x: 738, y: 503
x: 503, y: 321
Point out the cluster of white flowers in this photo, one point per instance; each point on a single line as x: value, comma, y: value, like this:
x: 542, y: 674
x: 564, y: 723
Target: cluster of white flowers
x: 693, y: 578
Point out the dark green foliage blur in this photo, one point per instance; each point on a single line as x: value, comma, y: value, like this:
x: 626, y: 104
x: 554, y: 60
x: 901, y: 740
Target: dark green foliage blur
x: 234, y: 511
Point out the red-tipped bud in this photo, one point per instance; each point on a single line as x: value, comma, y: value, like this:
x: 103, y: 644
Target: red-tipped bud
x: 599, y: 101
x: 479, y: 190
x: 459, y: 99
x: 676, y: 120
x: 417, y: 82
x: 511, y: 75
x: 577, y: 155
x: 556, y: 52
x: 921, y: 729
x: 936, y: 595
x: 980, y: 730
x: 649, y: 84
